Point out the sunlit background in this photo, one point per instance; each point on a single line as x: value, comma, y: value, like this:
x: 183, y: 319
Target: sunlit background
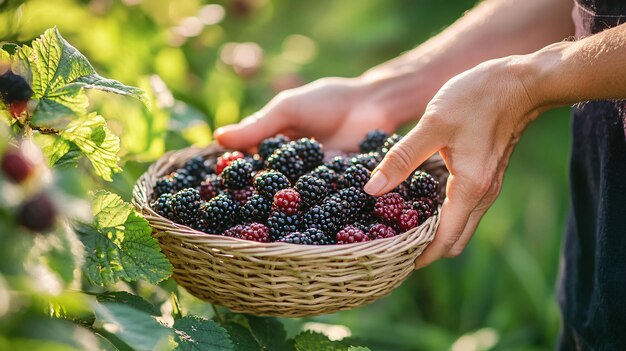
x: 207, y: 64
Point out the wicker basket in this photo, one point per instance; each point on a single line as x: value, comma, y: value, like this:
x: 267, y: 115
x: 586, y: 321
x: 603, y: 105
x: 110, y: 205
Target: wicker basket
x: 280, y: 279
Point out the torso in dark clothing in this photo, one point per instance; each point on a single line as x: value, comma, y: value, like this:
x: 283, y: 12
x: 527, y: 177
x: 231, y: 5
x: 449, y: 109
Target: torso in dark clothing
x: 592, y: 286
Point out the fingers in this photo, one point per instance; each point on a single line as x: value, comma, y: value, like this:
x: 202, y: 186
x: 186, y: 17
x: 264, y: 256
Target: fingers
x: 461, y: 200
x: 405, y: 156
x: 468, y: 232
x: 253, y: 129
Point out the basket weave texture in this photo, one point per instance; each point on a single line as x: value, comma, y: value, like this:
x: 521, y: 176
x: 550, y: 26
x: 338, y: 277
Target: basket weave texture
x: 280, y: 279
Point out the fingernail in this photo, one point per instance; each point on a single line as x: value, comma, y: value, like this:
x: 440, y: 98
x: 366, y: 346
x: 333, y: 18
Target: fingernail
x: 376, y: 183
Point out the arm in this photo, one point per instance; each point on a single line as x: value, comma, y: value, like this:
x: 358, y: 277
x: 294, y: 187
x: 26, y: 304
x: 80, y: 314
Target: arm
x: 477, y: 117
x: 339, y: 111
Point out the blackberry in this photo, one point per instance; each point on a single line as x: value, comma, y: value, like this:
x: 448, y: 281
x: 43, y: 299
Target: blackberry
x: 425, y: 208
x: 210, y: 187
x: 234, y: 232
x: 241, y: 195
x: 369, y: 160
x: 237, y: 175
x: 256, y: 209
x: 219, y: 213
x: 364, y: 226
x: 280, y: 224
x: 163, y: 206
x: 310, y: 151
x: 339, y: 164
x: 183, y: 180
x: 226, y: 159
x: 380, y: 231
x: 257, y: 163
x: 286, y: 201
x: 403, y: 189
x: 326, y: 174
x: 269, y: 145
x: 311, y: 236
x: 356, y: 200
x: 389, y: 207
x: 16, y: 166
x: 38, y: 213
x: 198, y: 167
x: 327, y: 217
x: 255, y: 232
x: 270, y: 182
x: 185, y: 204
x: 355, y: 176
x: 389, y: 143
x: 15, y: 92
x: 201, y: 225
x: 408, y: 220
x: 423, y: 185
x: 351, y: 234
x: 164, y: 185
x: 373, y: 141
x: 286, y: 161
x: 312, y: 190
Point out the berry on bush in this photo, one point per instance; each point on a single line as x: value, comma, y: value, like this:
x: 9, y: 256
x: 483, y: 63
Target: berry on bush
x: 38, y: 213
x: 287, y: 161
x: 287, y: 201
x: 268, y: 146
x: 423, y: 185
x: 351, y: 234
x: 312, y: 190
x: 389, y: 207
x: 373, y: 141
x: 14, y: 92
x: 226, y: 159
x: 16, y: 166
x: 380, y: 231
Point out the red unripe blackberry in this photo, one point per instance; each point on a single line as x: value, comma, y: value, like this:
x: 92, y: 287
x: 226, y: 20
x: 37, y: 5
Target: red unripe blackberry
x: 210, y: 187
x: 381, y: 231
x: 270, y: 182
x: 287, y: 201
x: 425, y: 208
x: 268, y: 146
x: 255, y: 232
x: 16, y: 166
x: 242, y: 195
x: 312, y: 190
x: 237, y: 175
x: 355, y: 176
x: 423, y: 185
x: 389, y: 207
x: 226, y: 159
x: 37, y: 214
x: 373, y: 141
x: 351, y: 234
x: 234, y: 232
x: 409, y: 219
x: 287, y: 161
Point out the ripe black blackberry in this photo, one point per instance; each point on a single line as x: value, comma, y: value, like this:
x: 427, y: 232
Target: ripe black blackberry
x: 255, y: 232
x: 356, y: 200
x: 327, y: 175
x: 163, y: 206
x: 256, y: 209
x: 310, y: 151
x: 270, y: 182
x: 373, y: 141
x: 310, y: 236
x: 237, y: 175
x: 423, y: 185
x: 185, y: 205
x: 287, y: 161
x: 389, y: 143
x: 351, y: 234
x: 210, y: 187
x: 38, y: 213
x: 164, y: 185
x: 269, y: 145
x: 355, y: 176
x: 369, y: 160
x: 425, y: 208
x: 403, y: 189
x: 280, y: 224
x: 219, y: 213
x: 312, y: 190
x: 183, y: 180
x: 389, y: 207
x: 327, y: 217
x: 364, y: 226
x: 199, y: 167
x: 256, y: 161
x: 339, y: 164
x: 15, y: 92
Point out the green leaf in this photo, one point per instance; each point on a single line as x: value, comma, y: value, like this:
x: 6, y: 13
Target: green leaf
x: 125, y: 298
x: 309, y: 340
x: 196, y: 333
x: 358, y: 348
x: 60, y: 73
x: 269, y: 332
x: 241, y: 337
x: 119, y: 244
x: 62, y: 153
x: 136, y: 328
x: 93, y: 138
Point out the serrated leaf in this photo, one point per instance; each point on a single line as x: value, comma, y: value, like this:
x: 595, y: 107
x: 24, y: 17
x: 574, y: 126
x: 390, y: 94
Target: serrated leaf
x: 60, y: 74
x: 242, y: 338
x: 136, y: 328
x: 358, y: 348
x: 309, y: 340
x: 119, y: 245
x: 127, y: 299
x: 62, y: 153
x: 269, y: 332
x: 196, y: 333
x: 93, y: 138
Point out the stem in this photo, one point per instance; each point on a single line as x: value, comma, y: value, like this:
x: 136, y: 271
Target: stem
x: 219, y: 316
x: 43, y: 130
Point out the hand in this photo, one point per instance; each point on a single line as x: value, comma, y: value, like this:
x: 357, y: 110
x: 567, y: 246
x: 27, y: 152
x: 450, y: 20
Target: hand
x: 474, y: 121
x: 336, y: 111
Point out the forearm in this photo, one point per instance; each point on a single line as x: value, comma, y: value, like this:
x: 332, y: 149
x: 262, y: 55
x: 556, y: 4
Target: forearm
x: 593, y: 68
x: 495, y: 28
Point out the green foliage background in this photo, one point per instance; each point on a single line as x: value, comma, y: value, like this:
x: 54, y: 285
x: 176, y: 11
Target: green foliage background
x: 498, y: 295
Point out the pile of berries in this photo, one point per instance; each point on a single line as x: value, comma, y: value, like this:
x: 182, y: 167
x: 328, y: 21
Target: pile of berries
x: 289, y: 192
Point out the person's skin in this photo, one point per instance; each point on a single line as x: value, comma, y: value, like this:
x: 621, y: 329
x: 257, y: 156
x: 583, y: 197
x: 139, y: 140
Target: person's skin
x: 474, y: 120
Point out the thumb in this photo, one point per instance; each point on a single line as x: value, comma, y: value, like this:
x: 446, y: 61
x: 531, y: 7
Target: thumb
x: 252, y: 129
x: 404, y: 157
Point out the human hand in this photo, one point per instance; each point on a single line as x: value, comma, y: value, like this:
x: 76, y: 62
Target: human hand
x: 474, y: 121
x: 336, y: 111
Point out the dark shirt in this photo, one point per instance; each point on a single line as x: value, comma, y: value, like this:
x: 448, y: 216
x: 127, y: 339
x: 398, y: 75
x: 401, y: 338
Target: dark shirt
x: 592, y: 284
